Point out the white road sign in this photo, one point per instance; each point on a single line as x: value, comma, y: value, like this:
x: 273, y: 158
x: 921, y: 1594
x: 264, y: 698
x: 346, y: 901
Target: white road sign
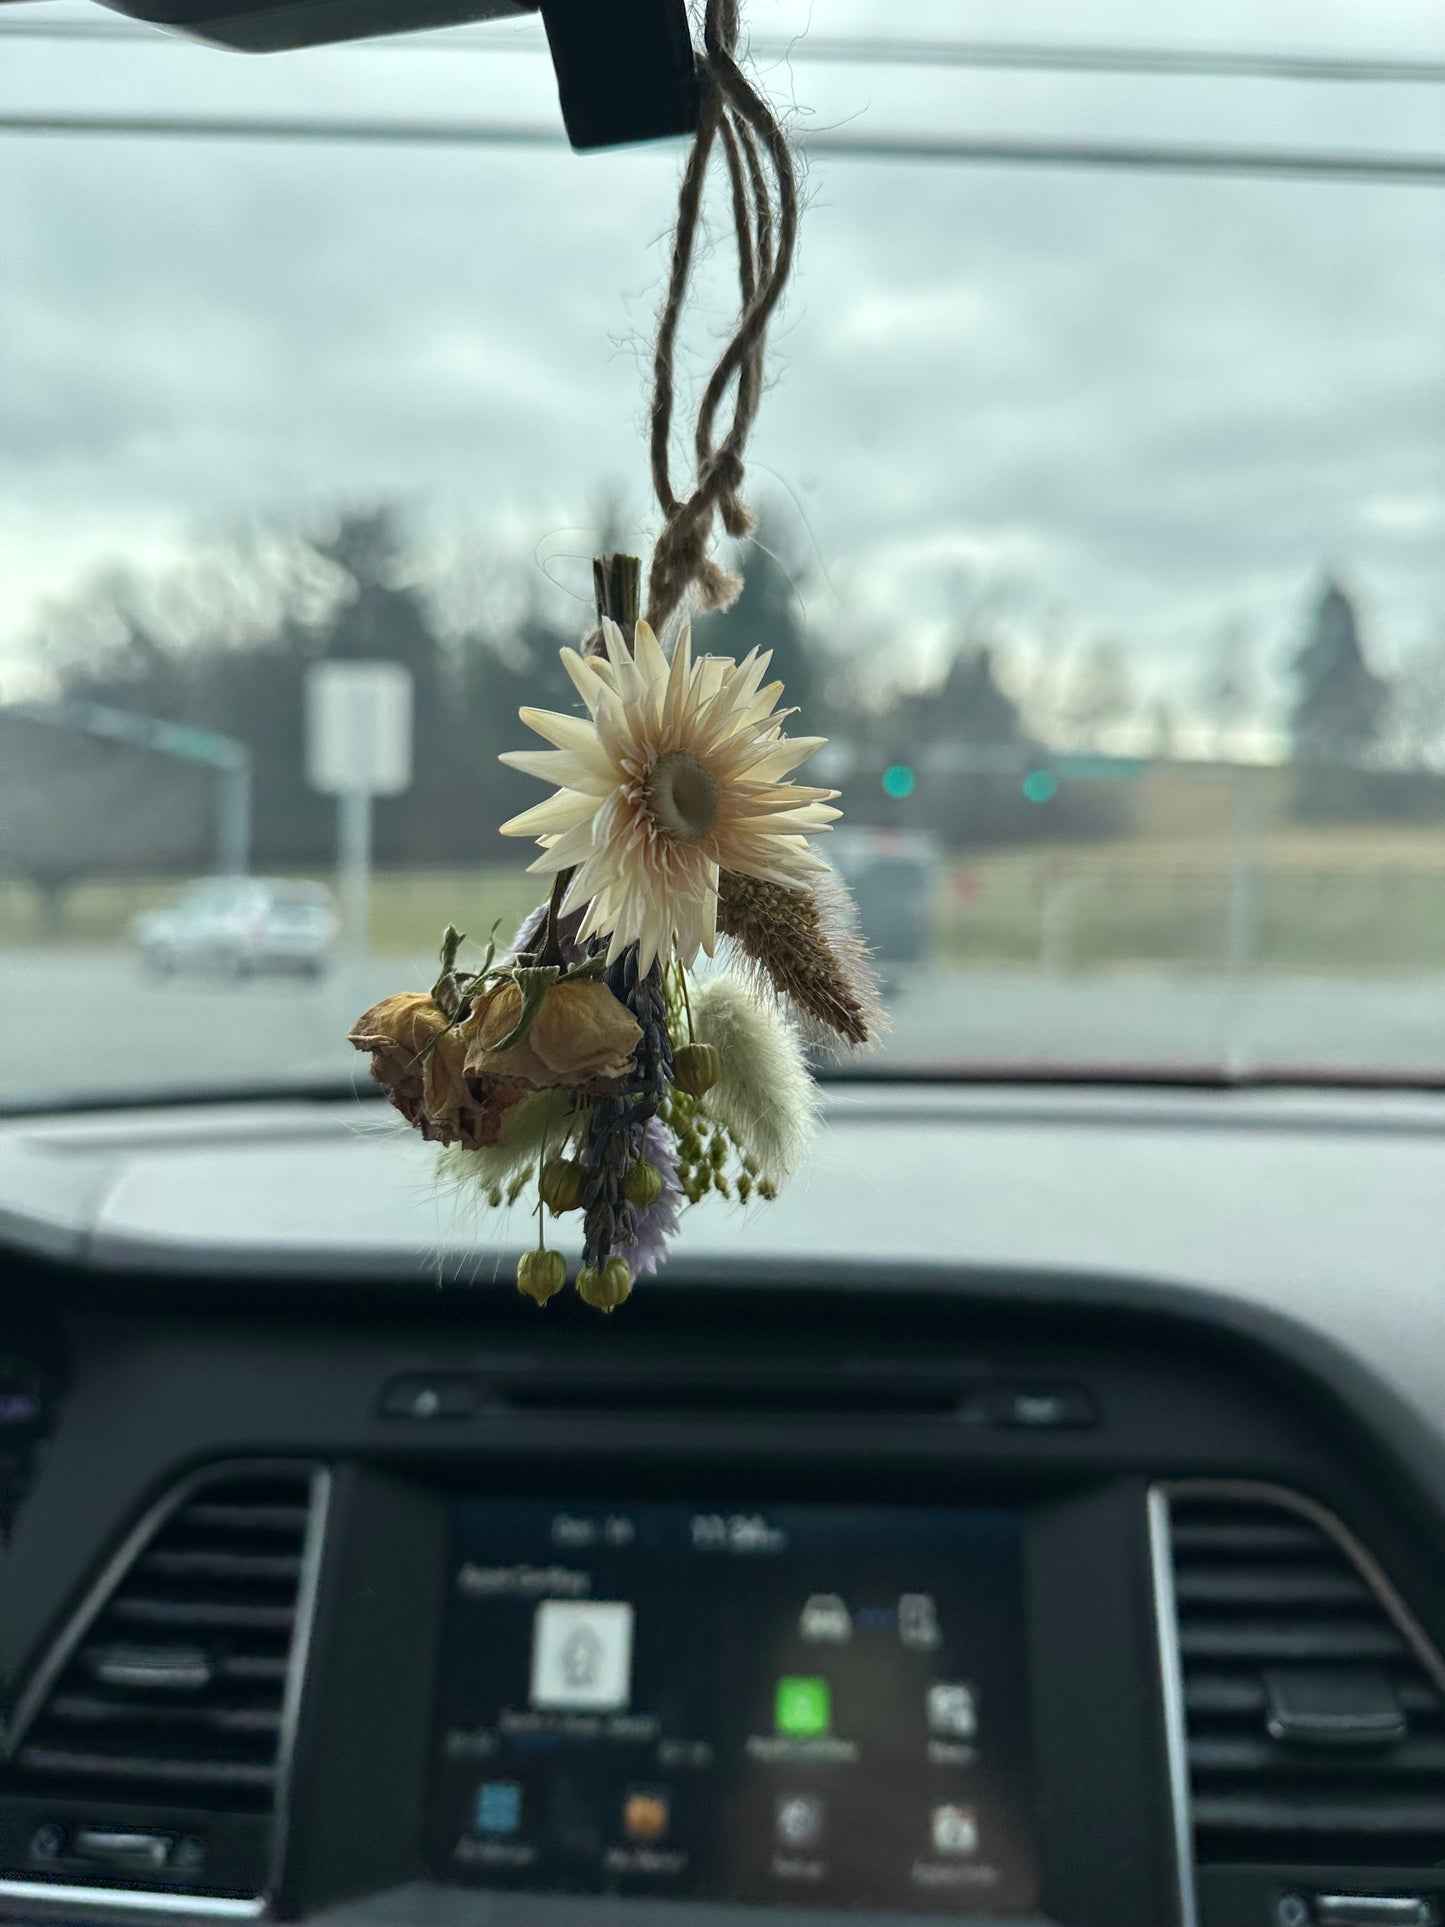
x: 358, y: 728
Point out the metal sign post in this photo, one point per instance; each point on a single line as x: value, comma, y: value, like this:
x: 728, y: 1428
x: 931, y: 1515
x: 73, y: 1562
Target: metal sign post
x: 358, y: 746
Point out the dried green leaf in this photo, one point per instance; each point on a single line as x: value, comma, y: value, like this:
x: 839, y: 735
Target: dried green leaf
x: 534, y: 981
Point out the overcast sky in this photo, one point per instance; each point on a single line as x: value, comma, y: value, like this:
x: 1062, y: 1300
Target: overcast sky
x: 1150, y: 405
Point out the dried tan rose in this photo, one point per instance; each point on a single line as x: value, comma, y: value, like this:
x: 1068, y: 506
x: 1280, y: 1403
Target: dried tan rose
x: 581, y: 1035
x: 422, y: 1062
x: 443, y: 1082
x: 396, y: 1032
x: 493, y: 1099
x: 459, y: 1110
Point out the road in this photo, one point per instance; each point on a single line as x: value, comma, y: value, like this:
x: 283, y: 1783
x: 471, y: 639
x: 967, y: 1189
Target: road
x: 95, y: 1024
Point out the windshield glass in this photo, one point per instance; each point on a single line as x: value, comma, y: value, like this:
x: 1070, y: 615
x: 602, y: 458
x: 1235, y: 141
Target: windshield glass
x: 1101, y: 485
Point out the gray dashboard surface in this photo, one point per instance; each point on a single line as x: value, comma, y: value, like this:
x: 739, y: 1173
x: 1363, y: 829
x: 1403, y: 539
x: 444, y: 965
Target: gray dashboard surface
x: 1320, y: 1214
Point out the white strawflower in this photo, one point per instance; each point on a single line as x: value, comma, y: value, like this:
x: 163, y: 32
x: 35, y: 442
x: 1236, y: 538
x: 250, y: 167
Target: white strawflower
x: 674, y: 774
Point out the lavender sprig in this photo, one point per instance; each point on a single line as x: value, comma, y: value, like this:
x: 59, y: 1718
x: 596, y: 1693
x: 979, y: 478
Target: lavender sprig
x: 655, y: 1223
x: 613, y: 1139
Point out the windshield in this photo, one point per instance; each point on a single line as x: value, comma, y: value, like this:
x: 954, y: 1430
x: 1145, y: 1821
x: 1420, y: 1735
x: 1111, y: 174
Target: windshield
x: 1101, y: 487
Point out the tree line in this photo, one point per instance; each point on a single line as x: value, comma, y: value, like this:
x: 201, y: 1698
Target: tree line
x: 224, y: 644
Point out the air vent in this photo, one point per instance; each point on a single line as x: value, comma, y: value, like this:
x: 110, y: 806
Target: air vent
x: 1313, y: 1714
x: 156, y: 1756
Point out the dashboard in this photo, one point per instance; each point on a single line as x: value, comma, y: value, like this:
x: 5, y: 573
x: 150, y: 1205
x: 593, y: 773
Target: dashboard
x: 1038, y: 1517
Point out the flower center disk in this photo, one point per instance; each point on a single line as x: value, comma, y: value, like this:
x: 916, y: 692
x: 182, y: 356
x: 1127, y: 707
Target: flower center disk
x: 682, y: 797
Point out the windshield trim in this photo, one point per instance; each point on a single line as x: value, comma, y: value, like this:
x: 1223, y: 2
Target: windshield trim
x: 1162, y: 1077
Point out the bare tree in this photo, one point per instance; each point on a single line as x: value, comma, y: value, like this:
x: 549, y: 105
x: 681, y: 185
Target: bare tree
x: 1414, y: 736
x: 1101, y: 693
x: 1229, y: 690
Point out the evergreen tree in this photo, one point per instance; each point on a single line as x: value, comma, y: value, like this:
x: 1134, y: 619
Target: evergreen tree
x: 1340, y: 704
x: 970, y: 707
x: 1338, y: 716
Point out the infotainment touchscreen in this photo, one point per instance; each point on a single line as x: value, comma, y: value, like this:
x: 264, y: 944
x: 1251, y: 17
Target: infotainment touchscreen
x: 791, y: 1705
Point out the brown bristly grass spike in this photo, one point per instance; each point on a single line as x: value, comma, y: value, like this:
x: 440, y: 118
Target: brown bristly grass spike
x: 805, y: 946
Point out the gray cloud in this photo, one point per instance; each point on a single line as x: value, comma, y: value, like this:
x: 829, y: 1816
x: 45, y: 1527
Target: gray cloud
x: 1153, y: 400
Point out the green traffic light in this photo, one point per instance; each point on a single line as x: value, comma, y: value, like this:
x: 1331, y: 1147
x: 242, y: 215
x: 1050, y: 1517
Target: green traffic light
x: 899, y: 781
x: 1040, y: 785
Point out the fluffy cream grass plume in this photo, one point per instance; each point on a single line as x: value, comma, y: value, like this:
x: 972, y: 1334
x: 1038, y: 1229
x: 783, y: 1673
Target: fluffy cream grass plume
x: 534, y: 1125
x: 764, y: 1096
x: 675, y: 774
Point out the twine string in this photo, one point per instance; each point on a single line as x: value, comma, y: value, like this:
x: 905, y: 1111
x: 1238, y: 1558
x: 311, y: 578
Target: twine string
x: 735, y: 119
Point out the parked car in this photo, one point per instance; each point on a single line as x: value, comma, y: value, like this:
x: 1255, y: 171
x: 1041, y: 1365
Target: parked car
x: 241, y: 925
x: 893, y: 875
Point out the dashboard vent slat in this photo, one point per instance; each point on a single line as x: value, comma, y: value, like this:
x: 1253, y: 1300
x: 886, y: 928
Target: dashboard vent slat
x: 241, y: 1615
x: 178, y: 1693
x: 88, y: 1709
x: 221, y: 1565
x: 1314, y: 1728
x: 141, y: 1768
x: 1286, y: 1637
x: 1270, y: 1586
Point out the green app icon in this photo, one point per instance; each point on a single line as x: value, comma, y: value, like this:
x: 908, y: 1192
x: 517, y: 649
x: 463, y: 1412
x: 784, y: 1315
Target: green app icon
x: 804, y: 1706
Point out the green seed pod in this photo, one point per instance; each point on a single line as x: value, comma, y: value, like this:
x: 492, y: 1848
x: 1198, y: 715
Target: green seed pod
x: 717, y: 1152
x: 767, y: 1189
x: 606, y: 1289
x: 695, y: 1068
x: 643, y: 1184
x: 561, y: 1185
x: 745, y: 1187
x: 541, y: 1274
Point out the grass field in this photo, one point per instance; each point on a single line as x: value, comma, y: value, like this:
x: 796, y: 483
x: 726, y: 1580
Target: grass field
x: 1351, y: 900
x: 1104, y: 911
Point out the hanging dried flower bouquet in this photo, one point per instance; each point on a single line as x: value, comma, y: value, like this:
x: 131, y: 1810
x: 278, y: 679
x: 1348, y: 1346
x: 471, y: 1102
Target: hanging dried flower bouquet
x: 593, y: 1061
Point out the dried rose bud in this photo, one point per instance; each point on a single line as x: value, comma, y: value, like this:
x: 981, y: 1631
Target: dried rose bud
x: 561, y: 1185
x: 406, y: 1022
x: 482, y: 1118
x: 643, y: 1184
x: 605, y: 1287
x: 397, y: 1032
x: 444, y: 1085
x: 695, y: 1068
x: 541, y: 1274
x: 422, y: 1062
x: 581, y: 1035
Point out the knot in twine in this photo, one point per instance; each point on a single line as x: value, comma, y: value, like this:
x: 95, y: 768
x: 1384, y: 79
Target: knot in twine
x: 763, y: 186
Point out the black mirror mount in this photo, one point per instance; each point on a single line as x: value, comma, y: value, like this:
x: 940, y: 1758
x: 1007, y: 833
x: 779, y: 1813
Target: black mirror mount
x: 625, y: 69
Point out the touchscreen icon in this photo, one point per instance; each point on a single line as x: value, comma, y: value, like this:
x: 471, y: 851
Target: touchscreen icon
x: 826, y: 1621
x: 918, y: 1621
x: 499, y: 1807
x: 803, y: 1708
x: 955, y: 1831
x: 952, y: 1710
x: 799, y: 1819
x: 582, y: 1655
x: 647, y: 1814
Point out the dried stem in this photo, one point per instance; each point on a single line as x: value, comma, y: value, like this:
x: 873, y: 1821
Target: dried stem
x: 617, y: 580
x: 551, y: 952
